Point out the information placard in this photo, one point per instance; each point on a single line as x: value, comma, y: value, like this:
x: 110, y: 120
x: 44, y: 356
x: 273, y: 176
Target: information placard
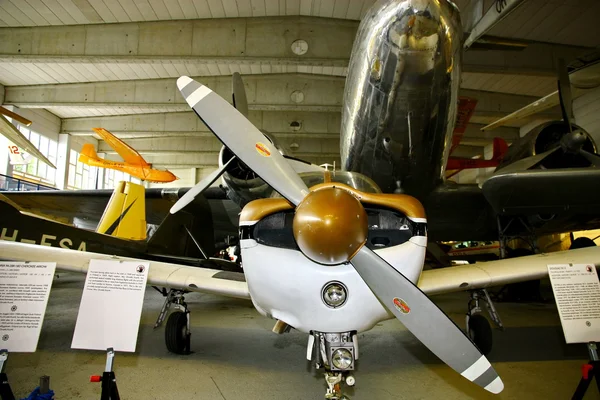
x: 577, y: 294
x: 24, y: 291
x: 111, y: 305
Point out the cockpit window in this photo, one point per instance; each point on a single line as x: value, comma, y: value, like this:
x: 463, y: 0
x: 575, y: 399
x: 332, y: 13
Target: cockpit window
x: 352, y: 179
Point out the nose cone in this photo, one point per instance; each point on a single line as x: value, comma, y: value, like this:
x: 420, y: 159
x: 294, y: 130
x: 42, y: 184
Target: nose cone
x: 172, y: 176
x: 330, y: 226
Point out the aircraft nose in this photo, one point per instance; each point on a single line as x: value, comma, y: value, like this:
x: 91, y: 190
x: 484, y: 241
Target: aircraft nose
x: 418, y: 25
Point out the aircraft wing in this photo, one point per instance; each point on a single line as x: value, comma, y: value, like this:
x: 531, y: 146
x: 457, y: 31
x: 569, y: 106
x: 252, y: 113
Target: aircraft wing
x: 501, y: 272
x: 128, y: 153
x: 542, y: 191
x: 175, y: 276
x: 7, y: 129
x: 537, y: 106
x: 233, y: 284
x: 88, y: 206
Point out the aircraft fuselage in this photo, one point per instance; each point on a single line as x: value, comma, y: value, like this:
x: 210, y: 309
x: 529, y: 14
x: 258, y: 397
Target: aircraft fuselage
x: 401, y: 94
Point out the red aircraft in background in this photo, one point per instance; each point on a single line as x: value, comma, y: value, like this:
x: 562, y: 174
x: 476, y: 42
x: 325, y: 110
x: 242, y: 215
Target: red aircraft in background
x: 466, y: 107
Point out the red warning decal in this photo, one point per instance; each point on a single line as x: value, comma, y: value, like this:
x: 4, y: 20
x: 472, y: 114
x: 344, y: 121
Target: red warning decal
x: 262, y: 149
x: 401, y: 305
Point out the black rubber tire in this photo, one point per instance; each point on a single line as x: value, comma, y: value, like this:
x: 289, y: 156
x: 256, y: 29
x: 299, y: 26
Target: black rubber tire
x: 480, y: 332
x: 582, y: 242
x: 176, y: 332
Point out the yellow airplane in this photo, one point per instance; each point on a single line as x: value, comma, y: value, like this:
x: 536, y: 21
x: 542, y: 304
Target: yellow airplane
x: 133, y: 163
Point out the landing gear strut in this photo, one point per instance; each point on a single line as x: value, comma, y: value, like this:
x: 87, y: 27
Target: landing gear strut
x: 336, y: 353
x: 478, y: 327
x: 177, y: 330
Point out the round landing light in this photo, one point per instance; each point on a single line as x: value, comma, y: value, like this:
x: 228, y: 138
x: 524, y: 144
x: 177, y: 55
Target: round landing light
x: 335, y: 294
x: 341, y: 359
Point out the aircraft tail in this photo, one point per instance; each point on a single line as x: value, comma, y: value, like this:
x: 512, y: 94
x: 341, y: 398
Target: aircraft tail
x: 88, y: 153
x: 500, y: 149
x: 125, y: 214
x: 16, y: 156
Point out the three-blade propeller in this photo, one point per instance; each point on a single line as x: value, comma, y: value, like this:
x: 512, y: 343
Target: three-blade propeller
x: 396, y: 292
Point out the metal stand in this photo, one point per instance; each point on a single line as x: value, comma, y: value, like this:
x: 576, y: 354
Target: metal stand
x: 44, y: 384
x: 589, y: 371
x: 108, y: 379
x: 5, y: 390
x: 505, y: 224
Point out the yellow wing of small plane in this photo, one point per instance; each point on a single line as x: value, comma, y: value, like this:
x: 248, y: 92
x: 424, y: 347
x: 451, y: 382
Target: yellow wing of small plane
x: 134, y: 164
x: 128, y: 153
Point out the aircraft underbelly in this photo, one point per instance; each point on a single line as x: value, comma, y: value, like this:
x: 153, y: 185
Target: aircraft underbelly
x: 400, y: 98
x: 284, y: 284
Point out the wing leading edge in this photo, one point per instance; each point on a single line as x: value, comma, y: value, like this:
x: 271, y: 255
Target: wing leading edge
x: 175, y: 276
x: 233, y: 284
x: 501, y: 272
x: 128, y: 153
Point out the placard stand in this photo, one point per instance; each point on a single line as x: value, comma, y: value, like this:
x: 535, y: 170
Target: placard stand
x: 589, y: 371
x: 108, y: 379
x: 5, y: 390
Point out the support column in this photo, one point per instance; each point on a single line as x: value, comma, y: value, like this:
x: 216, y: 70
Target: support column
x: 62, y: 162
x: 5, y: 167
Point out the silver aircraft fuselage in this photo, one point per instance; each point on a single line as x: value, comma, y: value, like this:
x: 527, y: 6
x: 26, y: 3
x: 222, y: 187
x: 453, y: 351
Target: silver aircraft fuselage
x: 401, y: 94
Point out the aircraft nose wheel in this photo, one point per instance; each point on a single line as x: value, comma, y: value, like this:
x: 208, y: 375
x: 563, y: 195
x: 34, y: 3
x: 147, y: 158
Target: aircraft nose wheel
x: 480, y: 332
x: 477, y: 326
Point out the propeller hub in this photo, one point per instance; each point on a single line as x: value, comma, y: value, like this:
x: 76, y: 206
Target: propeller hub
x: 330, y: 226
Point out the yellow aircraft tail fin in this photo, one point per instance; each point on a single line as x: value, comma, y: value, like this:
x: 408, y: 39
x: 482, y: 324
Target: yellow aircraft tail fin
x: 88, y: 153
x: 125, y: 214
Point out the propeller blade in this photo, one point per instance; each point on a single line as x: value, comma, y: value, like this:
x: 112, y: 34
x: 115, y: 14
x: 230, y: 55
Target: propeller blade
x: 425, y: 320
x: 564, y: 92
x: 199, y: 188
x: 592, y: 158
x: 243, y: 139
x: 527, y: 162
x: 240, y: 102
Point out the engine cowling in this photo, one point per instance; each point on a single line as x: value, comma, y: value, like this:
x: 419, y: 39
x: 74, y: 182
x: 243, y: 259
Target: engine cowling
x: 546, y: 137
x: 242, y: 183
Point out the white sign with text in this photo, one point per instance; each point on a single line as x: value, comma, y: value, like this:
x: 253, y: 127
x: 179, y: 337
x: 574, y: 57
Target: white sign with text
x: 24, y: 291
x: 111, y: 305
x: 577, y: 294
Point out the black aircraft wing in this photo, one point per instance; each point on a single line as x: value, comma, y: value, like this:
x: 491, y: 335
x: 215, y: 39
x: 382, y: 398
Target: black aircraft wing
x: 84, y: 208
x: 542, y: 191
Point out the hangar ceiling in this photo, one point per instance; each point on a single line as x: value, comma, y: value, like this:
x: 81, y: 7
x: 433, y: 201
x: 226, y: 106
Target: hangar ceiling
x: 114, y: 64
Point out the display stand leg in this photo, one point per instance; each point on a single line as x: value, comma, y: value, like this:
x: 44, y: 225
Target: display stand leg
x: 108, y: 379
x: 5, y: 390
x: 589, y: 371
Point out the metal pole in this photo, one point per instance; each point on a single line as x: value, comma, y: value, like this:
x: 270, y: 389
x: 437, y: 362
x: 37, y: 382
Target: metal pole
x: 592, y: 349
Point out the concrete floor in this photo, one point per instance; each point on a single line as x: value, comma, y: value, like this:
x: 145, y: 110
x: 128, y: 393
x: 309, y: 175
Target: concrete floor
x: 237, y: 357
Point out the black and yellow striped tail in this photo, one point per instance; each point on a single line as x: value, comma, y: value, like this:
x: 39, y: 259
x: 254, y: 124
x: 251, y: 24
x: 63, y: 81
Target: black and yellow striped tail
x: 125, y: 214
